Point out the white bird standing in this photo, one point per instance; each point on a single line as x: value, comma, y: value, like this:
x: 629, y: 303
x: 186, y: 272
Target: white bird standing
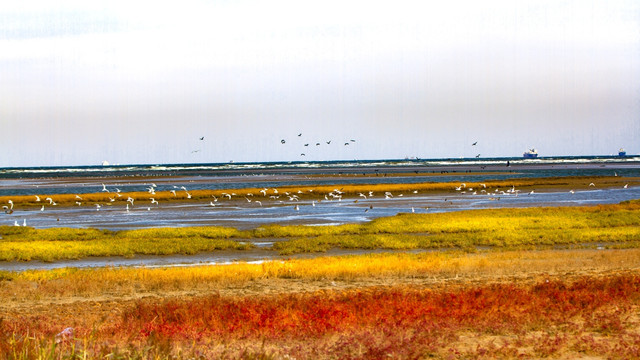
x: 24, y: 223
x: 10, y: 203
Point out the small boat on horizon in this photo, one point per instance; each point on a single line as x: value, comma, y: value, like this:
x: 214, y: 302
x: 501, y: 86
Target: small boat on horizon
x: 530, y: 154
x: 622, y: 152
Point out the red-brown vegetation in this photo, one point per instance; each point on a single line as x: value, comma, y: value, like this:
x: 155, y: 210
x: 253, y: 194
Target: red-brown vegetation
x: 588, y: 315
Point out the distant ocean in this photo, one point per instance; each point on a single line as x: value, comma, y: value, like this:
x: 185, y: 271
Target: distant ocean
x: 316, y: 167
x: 215, y: 176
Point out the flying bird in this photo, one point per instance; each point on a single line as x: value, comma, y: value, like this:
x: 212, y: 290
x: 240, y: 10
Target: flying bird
x: 202, y: 138
x: 282, y: 141
x: 474, y: 144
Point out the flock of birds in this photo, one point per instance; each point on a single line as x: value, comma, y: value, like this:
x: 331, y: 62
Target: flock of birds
x: 346, y: 143
x: 274, y: 196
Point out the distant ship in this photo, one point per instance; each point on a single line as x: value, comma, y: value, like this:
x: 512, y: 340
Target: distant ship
x: 622, y: 152
x: 531, y: 154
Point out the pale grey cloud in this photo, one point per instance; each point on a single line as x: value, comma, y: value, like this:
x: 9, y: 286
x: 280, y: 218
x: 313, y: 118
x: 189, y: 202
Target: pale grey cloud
x: 136, y: 82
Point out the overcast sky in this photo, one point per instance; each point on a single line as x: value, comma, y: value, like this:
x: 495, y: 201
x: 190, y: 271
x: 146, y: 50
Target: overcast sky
x: 135, y: 82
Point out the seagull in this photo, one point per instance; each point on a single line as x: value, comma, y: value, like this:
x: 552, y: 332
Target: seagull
x: 78, y: 197
x: 42, y: 208
x: 104, y: 188
x: 302, y: 154
x: 154, y: 201
x: 259, y: 202
x: 37, y: 198
x: 625, y: 186
x: 306, y: 144
x: 78, y: 203
x: 571, y: 191
x: 300, y: 134
x: 363, y: 195
x: 98, y: 207
x: 15, y: 223
x: 10, y: 202
x: 346, y: 144
x: 50, y: 200
x: 211, y: 204
x: 328, y: 142
x: 474, y: 144
x: 317, y: 144
x: 173, y: 192
x: 592, y: 184
x: 130, y: 199
x: 264, y: 192
x: 282, y: 141
x: 202, y: 138
x: 297, y: 208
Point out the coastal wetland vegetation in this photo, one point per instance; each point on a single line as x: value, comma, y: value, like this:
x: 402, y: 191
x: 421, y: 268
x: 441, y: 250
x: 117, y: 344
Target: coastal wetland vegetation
x: 548, y: 282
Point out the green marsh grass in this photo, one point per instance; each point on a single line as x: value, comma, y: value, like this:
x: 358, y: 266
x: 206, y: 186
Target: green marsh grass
x: 613, y: 225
